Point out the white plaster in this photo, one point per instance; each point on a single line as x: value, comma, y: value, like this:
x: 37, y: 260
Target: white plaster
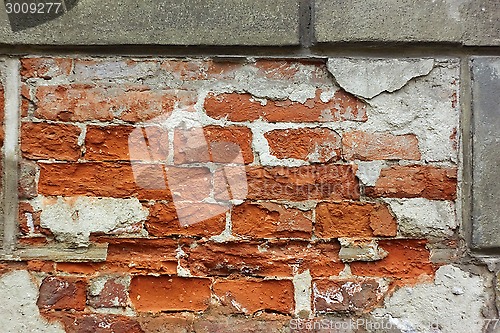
x: 19, y: 312
x: 302, y: 287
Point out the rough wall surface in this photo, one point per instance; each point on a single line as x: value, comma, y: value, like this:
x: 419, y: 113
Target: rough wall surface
x: 258, y: 195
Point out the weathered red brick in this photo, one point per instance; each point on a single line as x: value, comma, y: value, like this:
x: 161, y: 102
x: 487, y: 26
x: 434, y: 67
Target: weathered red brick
x: 62, y: 293
x: 167, y: 322
x: 124, y: 143
x: 108, y: 292
x: 96, y: 323
x: 50, y: 141
x: 163, y: 220
x: 329, y: 181
x: 27, y: 186
x: 312, y: 71
x: 80, y: 102
x: 264, y: 322
x: 273, y: 258
x: 145, y: 181
x: 232, y: 144
x: 359, y: 145
x: 354, y: 219
x: 29, y: 220
x: 269, y: 220
x: 416, y: 181
x: 242, y: 107
x: 308, y: 144
x: 45, y: 68
x: 140, y: 255
x: 407, y: 258
x: 346, y: 295
x: 249, y: 296
x: 169, y: 293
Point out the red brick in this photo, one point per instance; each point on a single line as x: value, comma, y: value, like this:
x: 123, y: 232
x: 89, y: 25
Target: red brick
x: 26, y: 211
x: 87, y: 102
x: 167, y: 323
x: 124, y: 143
x: 232, y: 144
x: 169, y: 293
x: 113, y: 292
x: 358, y: 145
x: 27, y: 187
x: 354, y: 219
x: 346, y: 295
x: 329, y: 181
x: 268, y: 220
x: 263, y: 322
x: 292, y: 70
x: 140, y: 255
x: 118, y: 180
x: 406, y: 259
x: 242, y: 107
x: 416, y: 181
x: 163, y: 220
x: 45, y: 68
x: 308, y: 144
x: 50, y: 141
x: 274, y: 258
x: 250, y: 296
x: 62, y: 293
x: 40, y: 266
x: 96, y: 323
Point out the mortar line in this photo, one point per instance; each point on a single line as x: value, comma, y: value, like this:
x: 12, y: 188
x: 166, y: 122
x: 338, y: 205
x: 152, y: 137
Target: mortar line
x: 10, y: 200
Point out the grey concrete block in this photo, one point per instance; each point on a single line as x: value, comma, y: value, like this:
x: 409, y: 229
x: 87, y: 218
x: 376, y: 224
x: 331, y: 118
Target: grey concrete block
x: 163, y: 22
x: 469, y: 22
x: 486, y: 152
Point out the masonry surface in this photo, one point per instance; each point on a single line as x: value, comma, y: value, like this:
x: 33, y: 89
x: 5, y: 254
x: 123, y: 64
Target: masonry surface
x: 257, y: 195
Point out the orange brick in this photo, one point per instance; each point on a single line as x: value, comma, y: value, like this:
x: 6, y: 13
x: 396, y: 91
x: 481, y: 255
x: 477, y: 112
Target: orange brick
x: 114, y: 143
x: 249, y: 296
x: 308, y: 144
x: 358, y: 145
x: 163, y: 220
x: 429, y: 182
x: 140, y: 255
x: 45, y: 68
x: 268, y: 220
x: 354, y: 219
x: 50, y: 141
x: 169, y: 293
x: 251, y: 258
x: 145, y: 181
x: 406, y: 259
x: 232, y: 144
x: 62, y: 293
x: 242, y: 107
x: 80, y: 102
x: 329, y: 181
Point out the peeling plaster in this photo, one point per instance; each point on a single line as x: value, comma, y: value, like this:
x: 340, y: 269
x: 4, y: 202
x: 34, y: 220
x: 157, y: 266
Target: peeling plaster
x: 18, y: 309
x: 419, y: 217
x: 368, y: 78
x: 452, y: 303
x: 72, y: 220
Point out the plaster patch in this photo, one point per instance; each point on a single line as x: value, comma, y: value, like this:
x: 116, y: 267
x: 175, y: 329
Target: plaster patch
x: 368, y: 172
x: 454, y: 301
x: 302, y: 287
x: 419, y: 217
x: 74, y: 219
x: 360, y: 250
x: 369, y: 77
x: 18, y: 307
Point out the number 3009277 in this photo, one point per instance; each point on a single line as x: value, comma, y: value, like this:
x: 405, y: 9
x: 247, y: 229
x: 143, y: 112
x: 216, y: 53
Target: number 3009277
x: 33, y: 8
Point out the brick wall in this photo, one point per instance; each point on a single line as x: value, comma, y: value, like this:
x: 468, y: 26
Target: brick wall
x: 257, y: 195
